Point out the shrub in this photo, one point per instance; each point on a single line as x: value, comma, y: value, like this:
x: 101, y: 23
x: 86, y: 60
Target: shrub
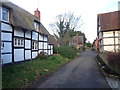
x: 42, y: 55
x: 113, y: 59
x: 66, y: 51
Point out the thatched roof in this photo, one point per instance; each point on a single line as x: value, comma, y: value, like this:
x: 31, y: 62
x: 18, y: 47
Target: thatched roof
x: 22, y: 18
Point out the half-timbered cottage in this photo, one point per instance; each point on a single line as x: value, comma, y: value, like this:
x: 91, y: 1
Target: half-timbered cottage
x: 108, y: 29
x: 22, y: 34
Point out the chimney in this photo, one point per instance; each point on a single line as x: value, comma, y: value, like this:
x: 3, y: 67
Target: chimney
x: 37, y: 14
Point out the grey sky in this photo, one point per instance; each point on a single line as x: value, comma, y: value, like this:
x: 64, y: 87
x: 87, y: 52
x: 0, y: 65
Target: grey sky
x: 88, y: 9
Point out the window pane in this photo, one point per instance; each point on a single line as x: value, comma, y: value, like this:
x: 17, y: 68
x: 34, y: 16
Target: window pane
x: 18, y: 41
x: 15, y: 41
x: 36, y: 45
x: 4, y: 14
x: 21, y: 42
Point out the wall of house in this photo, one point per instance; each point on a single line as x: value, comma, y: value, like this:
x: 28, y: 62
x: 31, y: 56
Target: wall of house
x: 18, y: 49
x: 17, y: 44
x: 110, y: 41
x: 6, y: 42
x: 28, y: 45
x: 34, y: 39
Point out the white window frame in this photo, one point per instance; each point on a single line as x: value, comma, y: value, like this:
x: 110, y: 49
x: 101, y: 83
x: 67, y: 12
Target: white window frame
x: 1, y: 17
x: 34, y: 45
x: 18, y: 42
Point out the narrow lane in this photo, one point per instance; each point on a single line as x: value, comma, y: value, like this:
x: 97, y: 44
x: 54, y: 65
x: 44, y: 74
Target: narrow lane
x: 80, y: 73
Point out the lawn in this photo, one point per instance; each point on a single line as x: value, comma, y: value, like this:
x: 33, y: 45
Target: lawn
x: 25, y: 74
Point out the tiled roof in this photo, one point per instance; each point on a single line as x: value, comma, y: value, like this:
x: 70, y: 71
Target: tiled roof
x: 109, y: 21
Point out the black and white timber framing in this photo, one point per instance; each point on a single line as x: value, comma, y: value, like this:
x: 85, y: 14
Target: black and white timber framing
x: 20, y: 44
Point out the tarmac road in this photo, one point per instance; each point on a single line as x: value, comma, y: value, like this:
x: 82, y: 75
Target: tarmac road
x: 82, y: 72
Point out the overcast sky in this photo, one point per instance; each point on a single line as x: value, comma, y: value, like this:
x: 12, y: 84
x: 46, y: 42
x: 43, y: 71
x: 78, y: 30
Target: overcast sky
x: 88, y: 9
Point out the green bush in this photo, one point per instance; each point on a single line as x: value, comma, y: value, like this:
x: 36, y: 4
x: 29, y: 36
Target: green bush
x: 66, y: 51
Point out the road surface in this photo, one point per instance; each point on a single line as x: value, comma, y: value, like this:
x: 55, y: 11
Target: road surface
x: 82, y: 72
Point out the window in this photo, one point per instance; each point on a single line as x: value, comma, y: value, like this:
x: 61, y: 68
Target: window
x: 34, y: 45
x: 15, y: 41
x: 4, y: 14
x: 36, y: 26
x: 18, y: 42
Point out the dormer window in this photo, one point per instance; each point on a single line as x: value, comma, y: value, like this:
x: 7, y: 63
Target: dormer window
x: 36, y: 26
x: 4, y: 14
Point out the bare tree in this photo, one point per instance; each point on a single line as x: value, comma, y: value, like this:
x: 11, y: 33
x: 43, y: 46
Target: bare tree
x: 65, y: 23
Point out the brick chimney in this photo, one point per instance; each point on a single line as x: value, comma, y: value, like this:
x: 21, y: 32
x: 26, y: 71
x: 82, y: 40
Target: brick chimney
x: 37, y: 14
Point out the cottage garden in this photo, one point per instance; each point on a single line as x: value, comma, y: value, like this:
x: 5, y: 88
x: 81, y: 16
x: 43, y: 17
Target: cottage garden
x: 27, y: 73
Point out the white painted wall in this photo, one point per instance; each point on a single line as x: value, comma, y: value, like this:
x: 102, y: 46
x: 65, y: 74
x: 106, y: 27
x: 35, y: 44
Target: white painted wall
x: 49, y: 46
x: 28, y: 44
x: 34, y: 54
x: 40, y: 37
x: 18, y: 32
x: 51, y: 52
x: 18, y: 55
x: 6, y: 58
x: 27, y: 54
x: 116, y: 41
x: 28, y: 34
x: 6, y: 36
x: 7, y: 47
x: 108, y: 41
x: 40, y: 45
x: 51, y: 49
x: 34, y: 36
x: 108, y: 34
x: 45, y: 45
x: 6, y: 27
x: 108, y: 48
x: 45, y: 38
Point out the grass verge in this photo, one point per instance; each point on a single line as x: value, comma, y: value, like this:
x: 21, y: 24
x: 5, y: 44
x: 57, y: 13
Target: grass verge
x: 24, y: 74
